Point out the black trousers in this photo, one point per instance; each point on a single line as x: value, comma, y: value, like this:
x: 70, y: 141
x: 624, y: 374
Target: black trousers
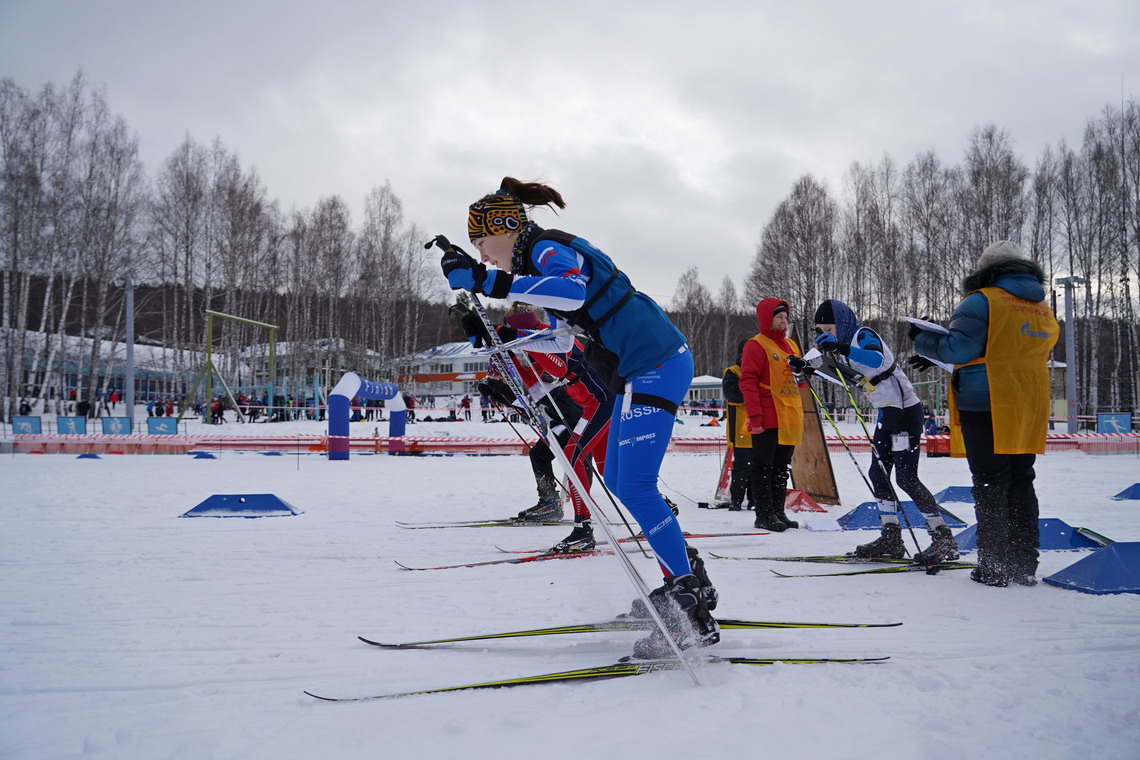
x: 770, y: 472
x: 542, y: 464
x: 740, y: 485
x: 1005, y: 500
x: 895, y: 421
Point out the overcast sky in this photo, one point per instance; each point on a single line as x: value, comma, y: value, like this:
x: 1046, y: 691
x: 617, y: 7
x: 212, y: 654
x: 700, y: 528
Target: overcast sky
x: 673, y: 129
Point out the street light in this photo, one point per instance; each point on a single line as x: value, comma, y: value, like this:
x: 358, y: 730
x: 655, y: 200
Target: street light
x: 1070, y: 350
x: 129, y: 371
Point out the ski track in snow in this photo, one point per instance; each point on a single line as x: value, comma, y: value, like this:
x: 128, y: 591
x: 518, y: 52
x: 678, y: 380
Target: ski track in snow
x: 128, y: 633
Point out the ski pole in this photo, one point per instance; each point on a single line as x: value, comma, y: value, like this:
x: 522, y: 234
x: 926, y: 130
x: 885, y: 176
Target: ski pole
x: 842, y: 440
x: 879, y: 460
x: 587, y: 464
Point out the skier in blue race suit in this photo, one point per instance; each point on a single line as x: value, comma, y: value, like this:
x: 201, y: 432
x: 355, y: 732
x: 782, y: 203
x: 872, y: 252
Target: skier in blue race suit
x: 643, y: 356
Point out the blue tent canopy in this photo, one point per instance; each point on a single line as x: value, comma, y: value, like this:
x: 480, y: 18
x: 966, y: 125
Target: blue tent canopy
x: 243, y: 505
x: 866, y: 516
x: 1054, y: 535
x: 1113, y: 569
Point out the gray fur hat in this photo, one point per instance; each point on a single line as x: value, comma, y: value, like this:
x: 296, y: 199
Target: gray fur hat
x: 1002, y: 250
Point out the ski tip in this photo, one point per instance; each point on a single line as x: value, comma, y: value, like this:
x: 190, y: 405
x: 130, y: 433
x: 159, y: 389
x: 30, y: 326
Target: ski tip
x: 378, y: 643
x: 402, y: 566
x: 323, y: 699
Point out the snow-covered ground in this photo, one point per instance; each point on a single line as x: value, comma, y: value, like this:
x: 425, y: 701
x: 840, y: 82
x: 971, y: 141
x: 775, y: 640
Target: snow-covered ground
x: 130, y: 633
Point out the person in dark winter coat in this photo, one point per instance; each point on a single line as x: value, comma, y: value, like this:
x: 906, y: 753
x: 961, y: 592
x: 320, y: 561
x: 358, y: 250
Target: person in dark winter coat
x: 738, y: 434
x: 1000, y: 338
x: 897, y: 439
x: 641, y: 354
x: 771, y: 391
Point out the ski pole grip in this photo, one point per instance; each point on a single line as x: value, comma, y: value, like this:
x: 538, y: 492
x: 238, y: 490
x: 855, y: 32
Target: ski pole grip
x: 441, y: 242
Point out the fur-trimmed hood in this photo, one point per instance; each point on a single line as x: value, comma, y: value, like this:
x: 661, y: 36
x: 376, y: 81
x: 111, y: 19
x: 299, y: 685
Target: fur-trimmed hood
x: 1021, y: 277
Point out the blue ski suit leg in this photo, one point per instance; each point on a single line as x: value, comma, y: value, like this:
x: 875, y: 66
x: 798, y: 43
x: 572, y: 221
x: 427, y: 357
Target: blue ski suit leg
x: 639, y: 437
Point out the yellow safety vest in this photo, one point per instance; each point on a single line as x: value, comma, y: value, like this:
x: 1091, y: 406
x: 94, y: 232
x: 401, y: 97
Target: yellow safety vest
x: 785, y: 392
x: 737, y: 428
x: 1020, y: 336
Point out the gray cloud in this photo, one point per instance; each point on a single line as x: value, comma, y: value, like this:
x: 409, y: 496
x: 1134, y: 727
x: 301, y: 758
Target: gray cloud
x: 673, y: 129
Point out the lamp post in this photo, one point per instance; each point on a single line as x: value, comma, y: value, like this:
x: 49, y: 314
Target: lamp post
x: 1070, y: 350
x: 129, y: 372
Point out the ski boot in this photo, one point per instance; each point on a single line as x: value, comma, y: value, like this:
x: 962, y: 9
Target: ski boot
x: 657, y: 595
x: 581, y: 539
x: 549, y: 506
x: 542, y: 512
x: 687, y: 617
x: 888, y: 544
x: 943, y: 548
x: 735, y: 506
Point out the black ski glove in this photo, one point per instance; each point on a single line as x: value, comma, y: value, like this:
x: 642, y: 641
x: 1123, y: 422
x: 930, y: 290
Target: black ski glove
x: 507, y: 333
x: 496, y: 390
x: 919, y: 363
x: 915, y: 330
x: 800, y: 367
x: 474, y: 328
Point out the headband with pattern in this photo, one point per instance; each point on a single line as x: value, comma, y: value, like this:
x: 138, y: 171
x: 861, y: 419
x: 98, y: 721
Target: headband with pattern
x: 495, y: 214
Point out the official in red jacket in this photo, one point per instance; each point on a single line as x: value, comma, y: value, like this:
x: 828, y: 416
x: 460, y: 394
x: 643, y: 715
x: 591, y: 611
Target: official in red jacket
x: 771, y: 391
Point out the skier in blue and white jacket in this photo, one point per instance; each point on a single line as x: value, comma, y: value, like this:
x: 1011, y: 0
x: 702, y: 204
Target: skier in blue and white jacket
x: 897, y: 440
x: 643, y: 356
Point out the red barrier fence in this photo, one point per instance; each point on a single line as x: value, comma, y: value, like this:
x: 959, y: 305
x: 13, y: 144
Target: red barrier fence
x: 1089, y: 443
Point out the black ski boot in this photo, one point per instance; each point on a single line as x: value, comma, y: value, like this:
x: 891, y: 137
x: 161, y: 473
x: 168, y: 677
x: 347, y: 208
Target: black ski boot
x: 581, y: 539
x: 658, y: 595
x: 687, y: 617
x: 707, y: 589
x: 549, y: 506
x: 888, y: 544
x: 942, y: 548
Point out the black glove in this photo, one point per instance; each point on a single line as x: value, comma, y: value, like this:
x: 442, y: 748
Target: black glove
x: 507, y: 333
x: 800, y: 367
x: 496, y: 390
x: 919, y: 363
x: 462, y: 271
x: 473, y: 327
x: 915, y: 330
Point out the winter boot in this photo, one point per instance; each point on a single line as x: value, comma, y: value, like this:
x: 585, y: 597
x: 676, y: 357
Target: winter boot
x: 581, y: 539
x: 888, y: 544
x: 942, y: 548
x: 735, y: 506
x: 687, y: 617
x: 767, y: 520
x: 990, y: 576
x: 783, y: 517
x: 779, y: 499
